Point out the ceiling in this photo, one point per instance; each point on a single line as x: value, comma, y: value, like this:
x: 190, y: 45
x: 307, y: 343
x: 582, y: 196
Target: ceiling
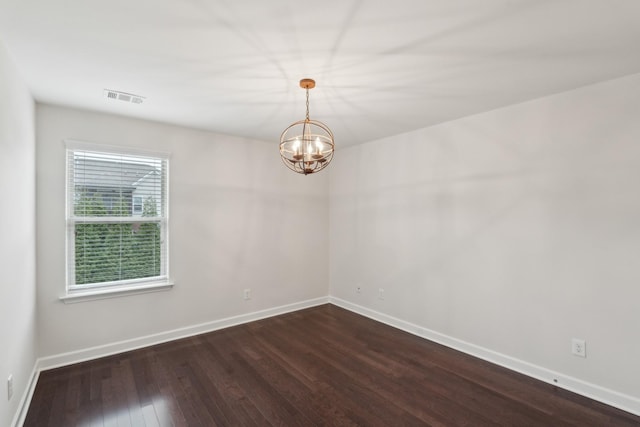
x: 382, y: 67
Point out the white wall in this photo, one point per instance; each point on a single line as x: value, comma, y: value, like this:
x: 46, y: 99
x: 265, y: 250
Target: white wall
x: 17, y: 236
x: 238, y: 219
x: 513, y: 230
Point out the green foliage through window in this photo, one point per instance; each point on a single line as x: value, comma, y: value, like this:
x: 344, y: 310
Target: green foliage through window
x: 109, y: 252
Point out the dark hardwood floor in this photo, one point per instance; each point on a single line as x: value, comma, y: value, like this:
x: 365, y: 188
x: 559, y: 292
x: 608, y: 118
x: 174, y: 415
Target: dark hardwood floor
x: 320, y: 366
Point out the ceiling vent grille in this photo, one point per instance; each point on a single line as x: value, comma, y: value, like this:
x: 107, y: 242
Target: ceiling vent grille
x: 123, y: 96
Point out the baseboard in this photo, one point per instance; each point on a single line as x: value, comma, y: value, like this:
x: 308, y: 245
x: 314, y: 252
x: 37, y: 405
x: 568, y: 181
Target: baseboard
x: 23, y: 406
x: 610, y: 397
x: 69, y: 358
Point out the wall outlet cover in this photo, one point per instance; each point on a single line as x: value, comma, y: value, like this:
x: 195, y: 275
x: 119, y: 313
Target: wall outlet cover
x: 578, y: 347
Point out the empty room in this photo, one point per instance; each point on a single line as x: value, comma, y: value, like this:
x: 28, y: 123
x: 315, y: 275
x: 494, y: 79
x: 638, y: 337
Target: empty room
x: 254, y: 213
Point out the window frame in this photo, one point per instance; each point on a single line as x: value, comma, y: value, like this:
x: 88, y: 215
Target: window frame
x: 84, y: 292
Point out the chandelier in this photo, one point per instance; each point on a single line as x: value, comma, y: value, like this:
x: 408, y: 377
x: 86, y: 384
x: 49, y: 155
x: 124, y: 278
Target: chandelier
x: 307, y: 145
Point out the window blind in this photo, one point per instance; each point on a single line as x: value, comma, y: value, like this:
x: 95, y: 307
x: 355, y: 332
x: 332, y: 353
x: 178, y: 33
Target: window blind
x: 116, y: 219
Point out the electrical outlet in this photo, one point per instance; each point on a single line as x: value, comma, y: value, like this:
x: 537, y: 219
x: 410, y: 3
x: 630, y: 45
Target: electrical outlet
x: 246, y: 294
x: 578, y: 347
x: 10, y: 387
x: 358, y: 289
x: 381, y: 293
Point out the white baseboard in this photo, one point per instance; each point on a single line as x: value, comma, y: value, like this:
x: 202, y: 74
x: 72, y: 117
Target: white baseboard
x: 610, y: 397
x: 23, y: 406
x: 64, y: 359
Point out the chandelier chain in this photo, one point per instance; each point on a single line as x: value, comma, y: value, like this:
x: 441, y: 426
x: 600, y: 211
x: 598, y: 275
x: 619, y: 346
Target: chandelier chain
x: 307, y: 104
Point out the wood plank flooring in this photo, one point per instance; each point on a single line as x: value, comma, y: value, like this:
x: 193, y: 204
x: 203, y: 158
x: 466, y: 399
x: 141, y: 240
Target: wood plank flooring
x: 323, y: 366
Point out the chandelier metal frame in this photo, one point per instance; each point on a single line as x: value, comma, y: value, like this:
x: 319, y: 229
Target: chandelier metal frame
x: 307, y: 146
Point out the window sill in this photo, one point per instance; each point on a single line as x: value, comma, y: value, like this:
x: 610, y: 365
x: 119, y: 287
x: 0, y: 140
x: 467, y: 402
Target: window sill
x: 116, y: 292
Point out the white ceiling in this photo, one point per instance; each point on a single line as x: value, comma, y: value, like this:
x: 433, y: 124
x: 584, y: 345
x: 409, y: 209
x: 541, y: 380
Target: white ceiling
x: 382, y: 67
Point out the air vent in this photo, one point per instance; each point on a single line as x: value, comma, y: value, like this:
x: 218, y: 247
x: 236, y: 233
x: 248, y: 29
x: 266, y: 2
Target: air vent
x: 123, y: 96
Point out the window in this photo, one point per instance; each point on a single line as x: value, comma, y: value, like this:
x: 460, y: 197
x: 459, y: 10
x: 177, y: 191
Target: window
x: 137, y: 205
x: 116, y: 220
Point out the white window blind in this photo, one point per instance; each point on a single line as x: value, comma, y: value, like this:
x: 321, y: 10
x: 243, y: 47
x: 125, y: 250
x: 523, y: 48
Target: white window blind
x: 116, y: 219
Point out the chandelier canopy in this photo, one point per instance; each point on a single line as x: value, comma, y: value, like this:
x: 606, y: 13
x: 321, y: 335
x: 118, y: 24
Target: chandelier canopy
x: 306, y: 146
